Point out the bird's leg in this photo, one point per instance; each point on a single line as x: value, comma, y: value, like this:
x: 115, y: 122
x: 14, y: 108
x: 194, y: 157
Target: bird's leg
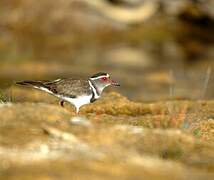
x: 62, y: 103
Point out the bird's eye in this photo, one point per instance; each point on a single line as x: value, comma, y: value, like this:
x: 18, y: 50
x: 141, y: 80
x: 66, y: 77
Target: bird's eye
x: 104, y: 78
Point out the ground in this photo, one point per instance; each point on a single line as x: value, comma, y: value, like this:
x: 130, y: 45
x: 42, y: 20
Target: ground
x: 111, y: 138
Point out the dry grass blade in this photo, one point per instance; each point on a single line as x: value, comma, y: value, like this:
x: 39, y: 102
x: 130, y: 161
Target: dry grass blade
x: 206, y: 82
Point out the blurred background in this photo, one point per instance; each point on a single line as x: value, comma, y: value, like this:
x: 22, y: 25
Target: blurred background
x: 156, y: 49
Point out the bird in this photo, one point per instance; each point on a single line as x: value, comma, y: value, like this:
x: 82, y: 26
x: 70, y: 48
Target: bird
x: 77, y: 92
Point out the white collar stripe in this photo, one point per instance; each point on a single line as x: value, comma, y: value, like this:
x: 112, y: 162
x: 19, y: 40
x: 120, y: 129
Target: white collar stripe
x: 94, y: 90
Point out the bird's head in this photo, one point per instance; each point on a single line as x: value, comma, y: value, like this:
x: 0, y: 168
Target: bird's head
x: 102, y: 80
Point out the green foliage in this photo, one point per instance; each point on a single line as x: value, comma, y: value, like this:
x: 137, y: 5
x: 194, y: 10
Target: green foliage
x: 4, y: 98
x: 197, y: 132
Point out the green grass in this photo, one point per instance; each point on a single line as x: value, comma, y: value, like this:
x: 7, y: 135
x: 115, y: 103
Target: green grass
x: 4, y: 98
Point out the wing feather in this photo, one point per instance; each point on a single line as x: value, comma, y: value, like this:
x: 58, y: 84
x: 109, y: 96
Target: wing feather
x: 69, y: 87
x: 64, y: 87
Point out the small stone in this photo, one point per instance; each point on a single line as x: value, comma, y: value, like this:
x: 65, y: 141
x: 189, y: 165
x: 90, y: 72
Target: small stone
x: 82, y: 121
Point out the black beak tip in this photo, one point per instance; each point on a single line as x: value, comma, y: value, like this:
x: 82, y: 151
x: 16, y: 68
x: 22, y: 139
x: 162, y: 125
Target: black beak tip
x: 116, y: 84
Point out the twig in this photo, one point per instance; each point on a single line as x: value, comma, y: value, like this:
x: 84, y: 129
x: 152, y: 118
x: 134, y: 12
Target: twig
x: 171, y: 85
x: 206, y: 81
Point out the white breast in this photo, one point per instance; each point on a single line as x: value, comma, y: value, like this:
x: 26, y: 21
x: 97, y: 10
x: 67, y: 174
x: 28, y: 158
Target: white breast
x: 79, y: 101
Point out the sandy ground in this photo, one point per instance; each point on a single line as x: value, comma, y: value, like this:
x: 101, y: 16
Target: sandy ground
x: 113, y: 138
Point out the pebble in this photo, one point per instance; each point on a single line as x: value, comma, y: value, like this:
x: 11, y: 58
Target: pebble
x: 79, y: 120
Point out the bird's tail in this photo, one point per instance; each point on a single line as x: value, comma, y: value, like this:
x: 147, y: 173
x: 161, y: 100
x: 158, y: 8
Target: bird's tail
x: 38, y: 84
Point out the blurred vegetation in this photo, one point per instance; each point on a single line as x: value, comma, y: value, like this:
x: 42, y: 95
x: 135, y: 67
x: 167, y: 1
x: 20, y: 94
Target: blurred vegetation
x: 61, y: 36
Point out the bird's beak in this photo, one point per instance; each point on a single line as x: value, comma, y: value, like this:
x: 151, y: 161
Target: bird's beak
x: 114, y: 83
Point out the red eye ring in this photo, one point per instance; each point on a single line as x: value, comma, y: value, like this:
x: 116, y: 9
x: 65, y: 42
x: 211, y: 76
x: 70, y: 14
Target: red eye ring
x: 104, y: 78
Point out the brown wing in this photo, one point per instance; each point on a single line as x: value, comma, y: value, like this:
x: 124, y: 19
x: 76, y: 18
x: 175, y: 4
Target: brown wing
x: 69, y: 87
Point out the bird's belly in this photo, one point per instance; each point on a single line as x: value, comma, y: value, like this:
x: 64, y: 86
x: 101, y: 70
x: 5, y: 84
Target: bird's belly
x: 78, y: 101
